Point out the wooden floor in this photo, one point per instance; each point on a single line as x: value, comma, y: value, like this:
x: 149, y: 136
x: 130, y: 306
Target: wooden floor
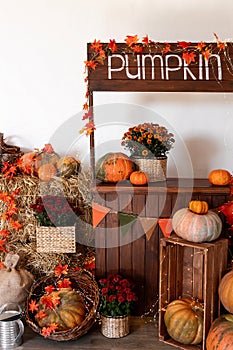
x: 143, y: 335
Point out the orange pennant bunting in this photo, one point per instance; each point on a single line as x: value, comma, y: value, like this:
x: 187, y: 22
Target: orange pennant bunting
x: 148, y: 225
x: 165, y: 225
x: 98, y: 213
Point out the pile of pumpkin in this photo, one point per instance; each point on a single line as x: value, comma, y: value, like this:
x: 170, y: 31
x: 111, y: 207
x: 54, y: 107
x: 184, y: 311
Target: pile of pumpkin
x: 46, y: 163
x: 184, y: 317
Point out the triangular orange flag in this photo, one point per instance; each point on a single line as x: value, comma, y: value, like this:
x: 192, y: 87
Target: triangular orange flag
x: 98, y: 213
x: 148, y: 225
x: 166, y: 226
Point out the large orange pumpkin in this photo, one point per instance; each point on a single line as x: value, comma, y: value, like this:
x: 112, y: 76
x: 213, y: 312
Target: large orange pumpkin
x: 195, y: 227
x: 225, y: 291
x: 219, y: 177
x: 184, y: 320
x: 114, y: 167
x: 220, y: 335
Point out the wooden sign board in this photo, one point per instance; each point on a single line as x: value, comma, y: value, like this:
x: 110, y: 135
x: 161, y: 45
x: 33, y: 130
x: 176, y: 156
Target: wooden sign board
x: 152, y: 70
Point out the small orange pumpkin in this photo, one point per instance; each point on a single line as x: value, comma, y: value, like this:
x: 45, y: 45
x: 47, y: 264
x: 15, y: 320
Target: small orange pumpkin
x: 46, y: 172
x: 198, y: 207
x: 219, y: 177
x: 138, y: 178
x: 29, y: 163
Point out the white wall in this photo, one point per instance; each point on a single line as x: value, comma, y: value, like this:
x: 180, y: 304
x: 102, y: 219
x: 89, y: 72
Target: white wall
x: 42, y: 50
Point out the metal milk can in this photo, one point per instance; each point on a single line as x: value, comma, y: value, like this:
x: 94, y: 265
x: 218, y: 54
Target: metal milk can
x: 11, y: 327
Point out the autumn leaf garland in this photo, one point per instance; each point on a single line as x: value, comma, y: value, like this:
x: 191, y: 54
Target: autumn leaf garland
x: 8, y: 221
x: 101, y: 51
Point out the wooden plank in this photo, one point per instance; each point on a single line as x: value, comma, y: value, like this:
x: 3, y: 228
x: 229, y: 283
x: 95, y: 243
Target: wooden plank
x: 198, y: 271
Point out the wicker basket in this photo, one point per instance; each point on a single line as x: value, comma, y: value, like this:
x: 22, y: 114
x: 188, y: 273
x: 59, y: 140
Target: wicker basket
x: 55, y: 239
x: 82, y: 281
x: 155, y: 168
x: 114, y: 327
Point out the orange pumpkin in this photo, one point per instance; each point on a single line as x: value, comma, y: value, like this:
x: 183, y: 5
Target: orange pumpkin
x: 225, y: 291
x: 198, y: 207
x: 220, y: 335
x: 138, y: 178
x: 29, y: 163
x: 114, y: 167
x: 219, y: 177
x: 184, y: 320
x: 46, y: 172
x: 197, y: 228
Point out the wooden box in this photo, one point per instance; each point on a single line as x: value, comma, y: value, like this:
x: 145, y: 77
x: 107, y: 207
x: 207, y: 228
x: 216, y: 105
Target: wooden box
x: 191, y: 269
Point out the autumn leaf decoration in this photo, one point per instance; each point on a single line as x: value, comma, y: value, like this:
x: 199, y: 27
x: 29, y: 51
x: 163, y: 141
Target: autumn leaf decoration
x: 50, y: 299
x: 101, y: 51
x: 8, y: 221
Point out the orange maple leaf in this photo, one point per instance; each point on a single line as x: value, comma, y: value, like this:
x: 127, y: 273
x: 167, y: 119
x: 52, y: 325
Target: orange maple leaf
x: 65, y: 283
x: 61, y: 270
x: 183, y: 44
x: 85, y: 106
x: 33, y: 306
x: 200, y: 46
x: 206, y: 54
x: 49, y: 289
x: 40, y: 315
x: 131, y: 40
x: 2, y: 265
x: 46, y: 331
x: 112, y: 45
x: 189, y: 57
x: 96, y: 45
x: 90, y: 64
x: 53, y: 327
x: 15, y: 225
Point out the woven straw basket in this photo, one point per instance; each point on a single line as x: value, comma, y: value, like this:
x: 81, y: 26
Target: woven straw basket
x: 55, y: 239
x: 82, y: 281
x: 155, y: 168
x: 114, y: 327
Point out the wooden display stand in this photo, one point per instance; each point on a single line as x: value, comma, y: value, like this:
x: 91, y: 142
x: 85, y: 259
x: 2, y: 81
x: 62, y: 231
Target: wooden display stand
x: 195, y: 270
x: 149, y: 71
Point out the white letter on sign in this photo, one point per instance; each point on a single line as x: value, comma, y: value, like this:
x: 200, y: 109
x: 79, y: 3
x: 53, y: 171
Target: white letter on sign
x: 168, y: 69
x: 110, y: 69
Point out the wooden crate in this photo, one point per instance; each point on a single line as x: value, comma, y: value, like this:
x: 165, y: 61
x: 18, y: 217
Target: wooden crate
x: 191, y: 269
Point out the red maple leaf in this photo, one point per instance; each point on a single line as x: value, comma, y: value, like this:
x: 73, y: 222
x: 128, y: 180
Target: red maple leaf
x: 33, y: 306
x: 2, y: 265
x: 53, y: 327
x: 112, y: 45
x: 189, y: 57
x: 49, y: 289
x: 61, y: 270
x: 47, y: 301
x: 65, y: 283
x: 4, y: 233
x: 167, y: 48
x: 183, y: 44
x: 145, y: 40
x: 48, y: 148
x: 131, y: 40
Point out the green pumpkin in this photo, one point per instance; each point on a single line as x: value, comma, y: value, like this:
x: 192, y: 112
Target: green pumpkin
x: 67, y: 166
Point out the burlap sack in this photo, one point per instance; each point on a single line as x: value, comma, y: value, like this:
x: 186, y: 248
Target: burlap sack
x: 14, y: 283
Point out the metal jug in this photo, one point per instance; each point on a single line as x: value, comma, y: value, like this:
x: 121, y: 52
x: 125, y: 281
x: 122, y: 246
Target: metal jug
x: 11, y: 327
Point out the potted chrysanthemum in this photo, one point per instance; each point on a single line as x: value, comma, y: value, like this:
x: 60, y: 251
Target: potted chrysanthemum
x: 149, y: 144
x: 117, y: 298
